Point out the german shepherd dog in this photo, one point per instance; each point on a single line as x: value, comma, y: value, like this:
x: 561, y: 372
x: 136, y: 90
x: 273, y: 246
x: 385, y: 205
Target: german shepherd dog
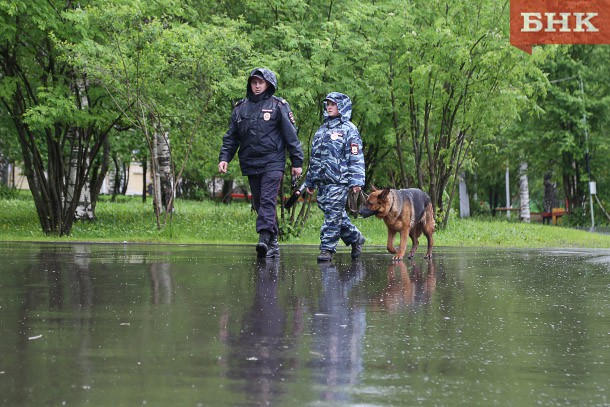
x: 408, y: 211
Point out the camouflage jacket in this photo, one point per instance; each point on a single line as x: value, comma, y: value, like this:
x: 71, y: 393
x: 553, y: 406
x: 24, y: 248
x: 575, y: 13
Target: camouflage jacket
x: 336, y: 149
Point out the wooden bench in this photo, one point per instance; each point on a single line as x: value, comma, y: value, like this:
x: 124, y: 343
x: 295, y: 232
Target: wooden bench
x: 551, y: 217
x: 557, y: 213
x: 547, y: 217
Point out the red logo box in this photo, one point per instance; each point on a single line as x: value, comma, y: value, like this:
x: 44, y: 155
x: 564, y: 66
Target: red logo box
x: 559, y: 22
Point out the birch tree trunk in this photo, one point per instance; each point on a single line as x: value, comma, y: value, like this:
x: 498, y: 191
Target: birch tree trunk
x: 165, y: 172
x: 98, y: 172
x: 84, y: 208
x: 524, y: 193
x: 464, y: 199
x: 156, y: 179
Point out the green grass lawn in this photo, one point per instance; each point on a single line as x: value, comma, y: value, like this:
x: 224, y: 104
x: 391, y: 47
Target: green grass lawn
x: 130, y: 220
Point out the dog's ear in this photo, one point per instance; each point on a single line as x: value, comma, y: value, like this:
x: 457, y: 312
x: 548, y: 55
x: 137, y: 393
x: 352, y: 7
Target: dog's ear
x: 384, y: 194
x: 373, y: 187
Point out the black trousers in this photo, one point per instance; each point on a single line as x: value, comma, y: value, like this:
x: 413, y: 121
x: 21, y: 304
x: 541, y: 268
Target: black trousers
x: 265, y: 188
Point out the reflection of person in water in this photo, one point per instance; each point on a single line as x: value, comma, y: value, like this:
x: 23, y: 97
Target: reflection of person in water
x: 338, y: 329
x: 261, y: 353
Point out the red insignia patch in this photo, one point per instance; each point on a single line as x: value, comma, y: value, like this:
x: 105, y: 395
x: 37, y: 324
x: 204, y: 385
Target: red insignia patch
x: 291, y: 117
x: 354, y: 148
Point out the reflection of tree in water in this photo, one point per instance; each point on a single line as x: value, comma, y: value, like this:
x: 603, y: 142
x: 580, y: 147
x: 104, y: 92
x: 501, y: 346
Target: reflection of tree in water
x: 162, y: 283
x: 68, y: 296
x: 262, y: 353
x: 405, y: 289
x: 69, y: 277
x: 338, y: 328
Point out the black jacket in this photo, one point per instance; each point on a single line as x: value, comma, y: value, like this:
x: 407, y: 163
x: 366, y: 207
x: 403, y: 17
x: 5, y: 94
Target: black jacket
x: 261, y: 131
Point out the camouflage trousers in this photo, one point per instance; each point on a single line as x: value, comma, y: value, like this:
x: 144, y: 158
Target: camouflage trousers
x: 337, y: 225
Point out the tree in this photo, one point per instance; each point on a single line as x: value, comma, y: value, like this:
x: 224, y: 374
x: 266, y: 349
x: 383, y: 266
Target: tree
x: 430, y: 81
x: 58, y: 118
x: 9, y: 147
x: 161, y: 73
x: 524, y: 193
x: 463, y: 82
x: 566, y: 137
x: 314, y: 48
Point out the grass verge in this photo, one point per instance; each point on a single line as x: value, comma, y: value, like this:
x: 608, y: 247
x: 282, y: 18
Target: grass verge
x: 130, y: 220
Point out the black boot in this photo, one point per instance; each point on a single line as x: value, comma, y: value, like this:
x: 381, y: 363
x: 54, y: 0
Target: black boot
x: 325, y: 255
x: 263, y: 243
x: 357, y: 247
x: 274, y: 247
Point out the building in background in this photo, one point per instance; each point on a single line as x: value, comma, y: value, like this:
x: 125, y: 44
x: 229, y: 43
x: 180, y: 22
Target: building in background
x: 135, y: 182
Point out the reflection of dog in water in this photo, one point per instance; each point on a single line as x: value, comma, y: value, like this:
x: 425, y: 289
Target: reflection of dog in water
x: 404, y: 289
x: 408, y: 211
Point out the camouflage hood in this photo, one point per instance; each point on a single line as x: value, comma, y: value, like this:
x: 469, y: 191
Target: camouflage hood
x: 267, y: 75
x: 344, y: 104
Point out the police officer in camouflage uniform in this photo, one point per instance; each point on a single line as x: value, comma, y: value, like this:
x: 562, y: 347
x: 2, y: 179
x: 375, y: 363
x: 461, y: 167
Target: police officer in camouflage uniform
x: 261, y: 130
x: 336, y: 165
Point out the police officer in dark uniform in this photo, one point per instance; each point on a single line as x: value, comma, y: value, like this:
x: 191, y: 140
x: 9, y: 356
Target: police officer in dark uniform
x: 261, y: 130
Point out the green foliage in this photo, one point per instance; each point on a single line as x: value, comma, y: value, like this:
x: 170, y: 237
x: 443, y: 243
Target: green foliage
x: 554, y: 137
x: 7, y: 193
x: 56, y: 105
x: 48, y: 108
x: 577, y: 217
x: 163, y: 68
x: 419, y: 73
x: 398, y: 61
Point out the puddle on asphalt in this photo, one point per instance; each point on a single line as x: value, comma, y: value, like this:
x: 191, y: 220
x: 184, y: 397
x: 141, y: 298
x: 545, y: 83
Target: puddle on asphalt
x: 211, y: 325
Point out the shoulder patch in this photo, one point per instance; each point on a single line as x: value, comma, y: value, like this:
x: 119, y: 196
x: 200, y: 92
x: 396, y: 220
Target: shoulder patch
x: 278, y: 101
x: 354, y: 148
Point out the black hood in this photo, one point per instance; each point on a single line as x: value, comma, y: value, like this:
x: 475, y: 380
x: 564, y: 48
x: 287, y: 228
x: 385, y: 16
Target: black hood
x: 267, y: 75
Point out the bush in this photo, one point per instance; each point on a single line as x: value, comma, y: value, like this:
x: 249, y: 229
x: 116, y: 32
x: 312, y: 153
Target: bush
x: 8, y: 193
x: 575, y: 218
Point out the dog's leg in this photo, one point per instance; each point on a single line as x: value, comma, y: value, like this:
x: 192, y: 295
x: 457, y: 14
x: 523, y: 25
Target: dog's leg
x: 428, y: 230
x: 404, y: 234
x: 430, y: 245
x: 391, y: 237
x: 414, y: 245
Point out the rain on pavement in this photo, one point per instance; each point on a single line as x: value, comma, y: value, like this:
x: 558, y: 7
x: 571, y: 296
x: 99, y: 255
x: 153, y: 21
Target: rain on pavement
x: 203, y: 325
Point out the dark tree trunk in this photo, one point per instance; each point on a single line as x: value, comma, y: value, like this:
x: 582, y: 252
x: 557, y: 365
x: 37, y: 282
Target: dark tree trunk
x: 144, y: 185
x: 550, y: 193
x: 227, y: 187
x: 572, y: 184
